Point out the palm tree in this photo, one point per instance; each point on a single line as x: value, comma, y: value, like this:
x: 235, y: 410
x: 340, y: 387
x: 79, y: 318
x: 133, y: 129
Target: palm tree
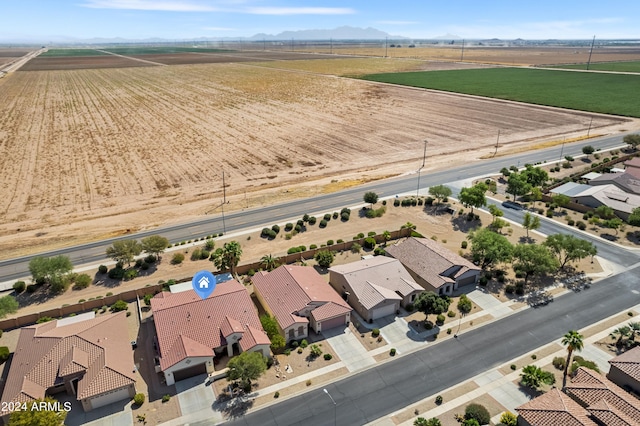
x: 620, y: 333
x: 635, y: 330
x: 534, y: 377
x: 269, y: 262
x: 574, y: 341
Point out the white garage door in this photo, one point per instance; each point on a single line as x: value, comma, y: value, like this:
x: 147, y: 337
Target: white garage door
x: 110, y: 397
x: 383, y: 311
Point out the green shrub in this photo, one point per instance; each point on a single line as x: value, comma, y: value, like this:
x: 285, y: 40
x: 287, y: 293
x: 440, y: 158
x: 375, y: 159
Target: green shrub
x: 82, y: 281
x: 344, y: 217
x: 109, y: 294
x: 477, y: 412
x: 287, y: 352
x: 195, y: 254
x: 130, y: 274
x: 304, y: 343
x: 334, y: 215
x: 165, y: 398
x: 177, y: 258
x: 4, y: 354
x: 509, y: 289
x: 305, y: 217
x: 375, y: 332
x: 439, y: 399
x: 463, y: 244
x: 559, y: 362
x: 138, y: 399
x: 147, y: 299
x: 276, y: 395
x: 102, y: 269
x: 451, y: 314
x: 43, y: 320
x: 440, y: 319
x: 31, y: 288
x: 428, y: 325
x: 118, y: 306
x: 396, y: 202
x: 392, y: 352
x: 339, y: 241
x: 513, y: 367
x: 355, y: 248
x: 116, y: 273
x: 298, y: 228
x: 329, y: 242
x: 327, y: 357
x: 326, y: 217
x: 369, y: 242
x: 312, y: 220
x: 323, y: 223
x: 288, y: 227
x: 19, y: 286
x: 313, y: 246
x: 581, y: 225
x: 379, y: 251
x: 275, y: 228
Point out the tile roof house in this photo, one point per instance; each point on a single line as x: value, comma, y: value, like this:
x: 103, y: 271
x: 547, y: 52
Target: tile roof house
x: 375, y: 287
x: 433, y: 266
x: 625, y: 370
x: 633, y: 167
x: 589, y: 399
x: 624, y: 181
x: 191, y: 330
x: 88, y: 357
x: 298, y: 297
x: 610, y: 195
x: 607, y: 402
x: 552, y: 409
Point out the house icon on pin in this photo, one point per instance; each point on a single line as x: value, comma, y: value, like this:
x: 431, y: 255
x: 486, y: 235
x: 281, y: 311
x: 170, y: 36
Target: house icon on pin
x: 203, y: 282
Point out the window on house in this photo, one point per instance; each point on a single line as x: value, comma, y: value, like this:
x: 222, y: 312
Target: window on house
x: 300, y: 331
x: 291, y: 334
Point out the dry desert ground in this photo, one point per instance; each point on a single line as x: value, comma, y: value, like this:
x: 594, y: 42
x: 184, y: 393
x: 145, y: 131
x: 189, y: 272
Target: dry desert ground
x: 92, y: 153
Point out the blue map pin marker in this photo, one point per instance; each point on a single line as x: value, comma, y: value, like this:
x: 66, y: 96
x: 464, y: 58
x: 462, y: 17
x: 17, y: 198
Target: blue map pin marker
x: 204, y: 282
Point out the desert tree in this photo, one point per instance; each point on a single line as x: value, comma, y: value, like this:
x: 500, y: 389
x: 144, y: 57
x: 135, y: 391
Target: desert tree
x: 124, y: 251
x: 568, y: 248
x: 489, y: 248
x: 632, y: 140
x: 430, y: 303
x: 440, y: 192
x: 533, y: 259
x: 474, y: 196
x: 154, y: 244
x: 530, y: 222
x: 370, y: 197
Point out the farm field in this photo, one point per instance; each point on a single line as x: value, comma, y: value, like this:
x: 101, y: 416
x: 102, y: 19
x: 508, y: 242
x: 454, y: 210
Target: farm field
x: 631, y: 66
x: 71, y: 53
x: 89, y: 154
x: 596, y: 92
x: 534, y: 55
x: 8, y: 55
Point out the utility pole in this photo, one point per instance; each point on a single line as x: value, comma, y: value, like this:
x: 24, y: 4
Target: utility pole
x: 424, y: 158
x: 591, y: 51
x: 224, y: 201
x: 330, y: 45
x: 462, y: 52
x: 589, y: 131
x: 386, y: 39
x: 497, y: 141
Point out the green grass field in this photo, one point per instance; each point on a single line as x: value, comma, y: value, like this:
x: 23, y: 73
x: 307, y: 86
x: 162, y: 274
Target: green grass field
x: 73, y: 52
x: 617, y: 94
x: 161, y: 50
x: 631, y: 66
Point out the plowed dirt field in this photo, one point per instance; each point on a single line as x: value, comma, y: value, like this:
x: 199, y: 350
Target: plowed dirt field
x: 93, y: 153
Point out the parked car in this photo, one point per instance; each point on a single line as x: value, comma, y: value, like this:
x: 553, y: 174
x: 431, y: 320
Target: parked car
x: 512, y: 205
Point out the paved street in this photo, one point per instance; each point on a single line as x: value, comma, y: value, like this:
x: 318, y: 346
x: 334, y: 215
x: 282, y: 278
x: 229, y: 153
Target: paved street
x: 383, y: 389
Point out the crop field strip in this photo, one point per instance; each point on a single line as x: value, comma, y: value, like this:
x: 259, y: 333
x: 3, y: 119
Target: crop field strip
x: 630, y: 66
x: 616, y: 94
x: 102, y: 142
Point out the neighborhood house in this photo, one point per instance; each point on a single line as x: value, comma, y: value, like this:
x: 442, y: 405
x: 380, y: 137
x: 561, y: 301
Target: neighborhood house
x: 191, y: 331
x: 375, y: 287
x: 87, y: 357
x: 298, y: 297
x: 433, y: 266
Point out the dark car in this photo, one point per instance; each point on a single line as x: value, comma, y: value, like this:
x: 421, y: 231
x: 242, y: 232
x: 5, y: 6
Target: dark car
x: 512, y: 205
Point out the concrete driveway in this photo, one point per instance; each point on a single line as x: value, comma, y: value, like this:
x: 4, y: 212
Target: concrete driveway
x: 348, y: 348
x: 118, y: 413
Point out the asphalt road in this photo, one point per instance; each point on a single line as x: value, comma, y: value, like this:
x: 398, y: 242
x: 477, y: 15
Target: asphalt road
x: 385, y: 388
x: 13, y: 269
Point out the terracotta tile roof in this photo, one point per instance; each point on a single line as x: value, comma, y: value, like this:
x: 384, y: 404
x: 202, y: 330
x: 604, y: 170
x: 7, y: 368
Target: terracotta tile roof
x: 187, y: 325
x: 252, y: 338
x: 628, y: 363
x: 377, y: 279
x: 289, y: 289
x: 432, y: 261
x: 554, y: 408
x: 609, y: 415
x: 591, y: 387
x: 98, y: 349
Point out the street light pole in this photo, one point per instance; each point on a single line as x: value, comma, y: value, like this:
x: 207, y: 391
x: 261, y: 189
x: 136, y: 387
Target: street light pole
x: 224, y: 201
x: 334, y: 405
x: 424, y: 158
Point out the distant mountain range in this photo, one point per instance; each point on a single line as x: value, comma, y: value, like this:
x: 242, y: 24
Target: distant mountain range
x: 340, y: 33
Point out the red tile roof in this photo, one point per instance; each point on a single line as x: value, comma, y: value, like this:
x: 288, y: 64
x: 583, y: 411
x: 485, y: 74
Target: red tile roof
x: 628, y: 363
x: 591, y: 388
x: 554, y: 408
x: 609, y: 415
x: 289, y: 289
x: 46, y: 352
x: 430, y: 260
x: 187, y: 325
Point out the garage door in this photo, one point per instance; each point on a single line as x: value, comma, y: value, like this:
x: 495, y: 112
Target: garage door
x: 333, y: 322
x: 194, y: 370
x: 383, y: 311
x: 111, y: 397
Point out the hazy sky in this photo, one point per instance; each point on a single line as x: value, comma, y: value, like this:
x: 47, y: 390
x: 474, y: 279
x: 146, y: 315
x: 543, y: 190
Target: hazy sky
x: 42, y: 20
